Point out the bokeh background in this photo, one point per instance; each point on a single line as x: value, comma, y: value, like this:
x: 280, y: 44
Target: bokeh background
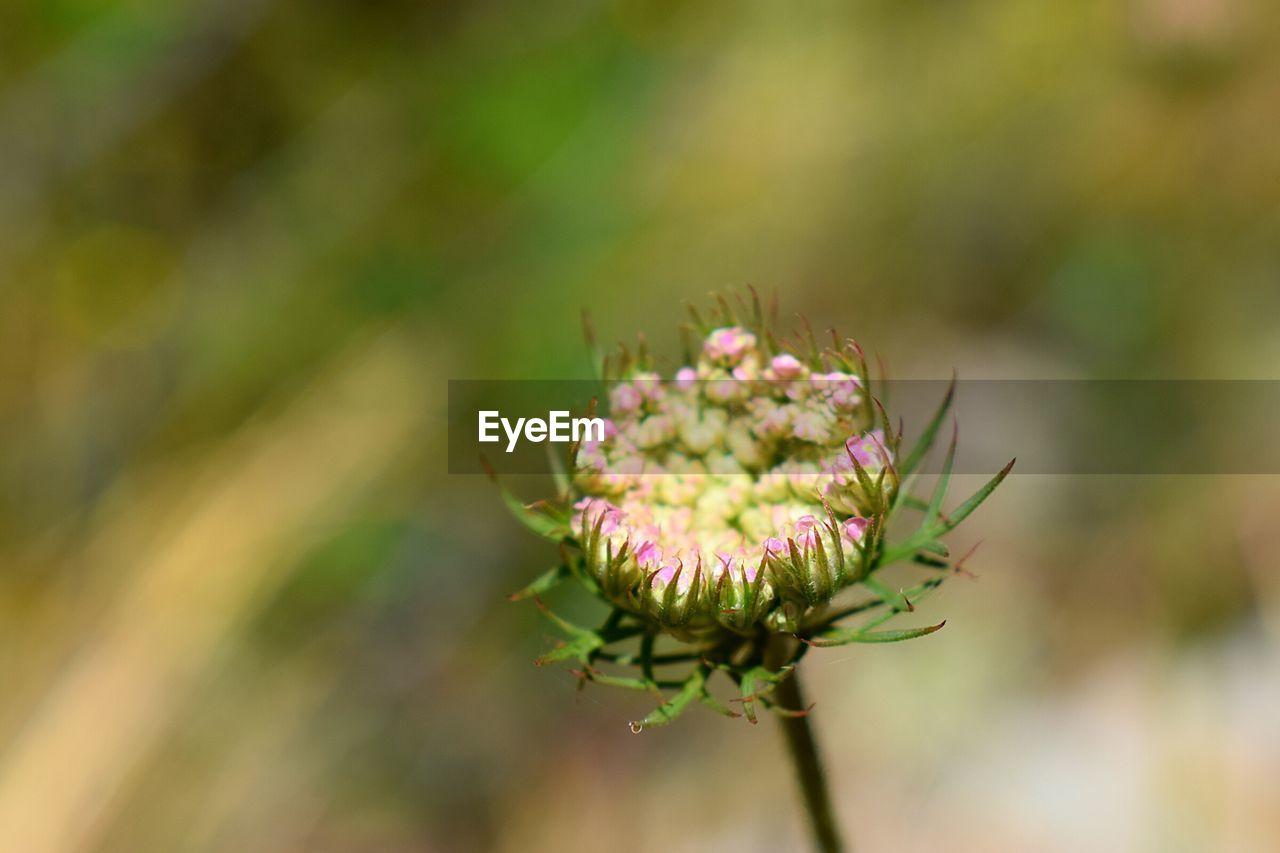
x: 244, y: 244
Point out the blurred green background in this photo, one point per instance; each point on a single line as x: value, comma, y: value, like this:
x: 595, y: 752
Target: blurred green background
x: 244, y: 244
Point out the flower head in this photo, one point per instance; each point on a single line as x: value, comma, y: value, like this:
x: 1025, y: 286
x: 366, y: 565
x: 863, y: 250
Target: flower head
x: 705, y: 446
x: 734, y: 502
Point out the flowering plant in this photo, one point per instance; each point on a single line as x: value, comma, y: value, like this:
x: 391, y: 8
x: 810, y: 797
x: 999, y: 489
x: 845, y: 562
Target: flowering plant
x: 724, y: 512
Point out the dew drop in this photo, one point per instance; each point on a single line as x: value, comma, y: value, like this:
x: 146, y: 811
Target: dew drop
x: 636, y: 727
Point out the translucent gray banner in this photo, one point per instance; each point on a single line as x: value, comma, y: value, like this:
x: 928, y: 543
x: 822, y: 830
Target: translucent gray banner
x: 1051, y: 426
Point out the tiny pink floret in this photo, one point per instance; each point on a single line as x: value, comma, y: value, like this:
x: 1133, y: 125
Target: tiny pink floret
x: 648, y: 554
x: 868, y: 448
x: 592, y: 510
x: 625, y: 398
x: 854, y: 528
x: 786, y: 366
x: 728, y: 344
x: 806, y: 531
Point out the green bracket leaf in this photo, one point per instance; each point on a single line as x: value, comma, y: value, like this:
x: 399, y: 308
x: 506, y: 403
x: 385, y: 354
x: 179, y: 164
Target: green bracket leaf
x: 895, y: 599
x: 755, y: 683
x: 861, y: 635
x: 582, y: 642
x: 934, y: 510
x: 930, y: 434
x: 578, y: 649
x: 623, y: 681
x: 716, y: 705
x: 965, y: 509
x: 558, y: 474
x: 533, y: 516
x: 675, y: 706
x: 547, y: 580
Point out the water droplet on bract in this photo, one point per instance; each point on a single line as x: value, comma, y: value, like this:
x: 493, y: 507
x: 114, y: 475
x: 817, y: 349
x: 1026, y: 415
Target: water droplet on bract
x: 636, y: 727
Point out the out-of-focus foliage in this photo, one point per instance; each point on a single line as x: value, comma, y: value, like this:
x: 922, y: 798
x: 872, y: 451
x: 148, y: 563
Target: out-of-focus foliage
x: 243, y: 244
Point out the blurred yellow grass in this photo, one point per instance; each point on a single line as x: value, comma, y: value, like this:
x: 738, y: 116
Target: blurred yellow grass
x: 246, y: 516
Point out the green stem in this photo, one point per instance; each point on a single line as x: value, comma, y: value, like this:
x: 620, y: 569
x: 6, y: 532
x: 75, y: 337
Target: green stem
x: 808, y: 765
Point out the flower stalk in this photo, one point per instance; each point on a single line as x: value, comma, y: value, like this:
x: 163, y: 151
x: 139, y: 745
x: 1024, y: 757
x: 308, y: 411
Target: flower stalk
x: 803, y: 749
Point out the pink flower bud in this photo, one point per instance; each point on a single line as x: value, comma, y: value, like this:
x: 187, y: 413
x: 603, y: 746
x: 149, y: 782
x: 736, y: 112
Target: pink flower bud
x: 786, y: 366
x: 728, y: 344
x: 648, y: 554
x: 868, y: 448
x: 649, y: 385
x: 625, y: 398
x: 807, y: 531
x: 723, y: 390
x: 663, y: 576
x: 842, y: 389
x: 592, y: 509
x: 854, y: 528
x: 811, y: 426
